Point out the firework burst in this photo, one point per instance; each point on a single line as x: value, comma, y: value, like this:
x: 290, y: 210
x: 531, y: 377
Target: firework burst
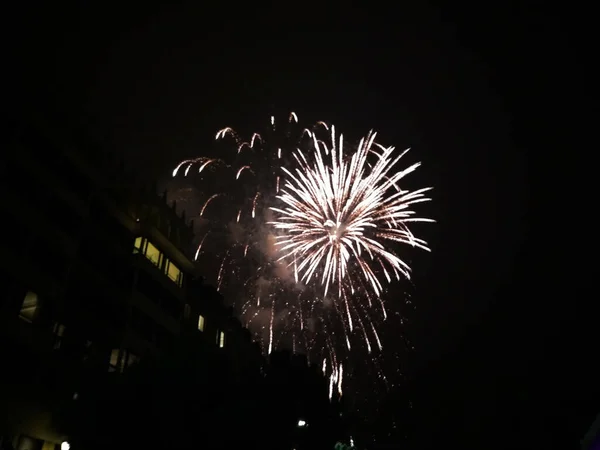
x: 342, y: 213
x: 319, y: 228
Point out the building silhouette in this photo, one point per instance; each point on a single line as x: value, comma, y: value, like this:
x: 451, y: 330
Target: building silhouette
x: 96, y: 277
x: 301, y: 415
x: 591, y: 440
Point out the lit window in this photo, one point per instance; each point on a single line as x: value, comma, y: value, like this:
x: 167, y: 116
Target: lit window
x: 144, y: 246
x: 115, y: 364
x: 201, y: 323
x: 186, y: 311
x: 221, y: 339
x: 173, y: 271
x: 137, y: 246
x: 148, y: 249
x: 114, y: 357
x: 153, y: 254
x: 120, y: 359
x: 58, y: 330
x: 29, y: 307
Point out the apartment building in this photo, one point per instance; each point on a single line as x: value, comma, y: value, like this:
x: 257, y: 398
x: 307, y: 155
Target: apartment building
x: 97, y: 274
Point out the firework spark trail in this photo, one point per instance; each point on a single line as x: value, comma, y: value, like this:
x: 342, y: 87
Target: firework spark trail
x: 339, y: 208
x: 336, y: 218
x: 271, y: 327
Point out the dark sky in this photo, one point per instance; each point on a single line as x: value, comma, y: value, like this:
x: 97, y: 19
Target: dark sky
x: 157, y: 83
x: 470, y: 90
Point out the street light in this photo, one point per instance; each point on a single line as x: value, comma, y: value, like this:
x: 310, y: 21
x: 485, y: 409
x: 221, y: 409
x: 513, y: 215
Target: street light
x: 65, y: 445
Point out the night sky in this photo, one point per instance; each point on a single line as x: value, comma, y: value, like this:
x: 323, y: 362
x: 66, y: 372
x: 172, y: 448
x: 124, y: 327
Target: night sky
x: 467, y: 90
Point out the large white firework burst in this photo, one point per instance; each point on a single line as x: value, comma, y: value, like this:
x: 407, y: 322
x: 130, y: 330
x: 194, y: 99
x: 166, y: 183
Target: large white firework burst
x: 338, y: 219
x: 342, y: 213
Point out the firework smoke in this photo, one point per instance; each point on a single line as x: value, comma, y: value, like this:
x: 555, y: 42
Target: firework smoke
x: 307, y: 233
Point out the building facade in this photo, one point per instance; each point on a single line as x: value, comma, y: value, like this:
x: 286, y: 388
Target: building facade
x: 97, y: 275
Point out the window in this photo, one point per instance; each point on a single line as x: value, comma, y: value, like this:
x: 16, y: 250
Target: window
x: 145, y: 247
x: 132, y: 359
x: 121, y: 359
x: 201, y: 323
x: 221, y: 339
x: 58, y: 330
x: 137, y: 246
x: 173, y: 272
x: 29, y: 307
x: 148, y: 249
x: 153, y: 254
x: 171, y: 305
x: 186, y: 311
x: 143, y: 325
x: 116, y: 362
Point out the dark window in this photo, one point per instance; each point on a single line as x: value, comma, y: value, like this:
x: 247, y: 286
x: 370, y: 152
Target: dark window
x: 92, y: 298
x: 149, y: 286
x: 141, y: 324
x: 157, y: 293
x: 164, y: 339
x: 147, y: 329
x: 172, y: 306
x: 113, y: 266
x: 58, y: 330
